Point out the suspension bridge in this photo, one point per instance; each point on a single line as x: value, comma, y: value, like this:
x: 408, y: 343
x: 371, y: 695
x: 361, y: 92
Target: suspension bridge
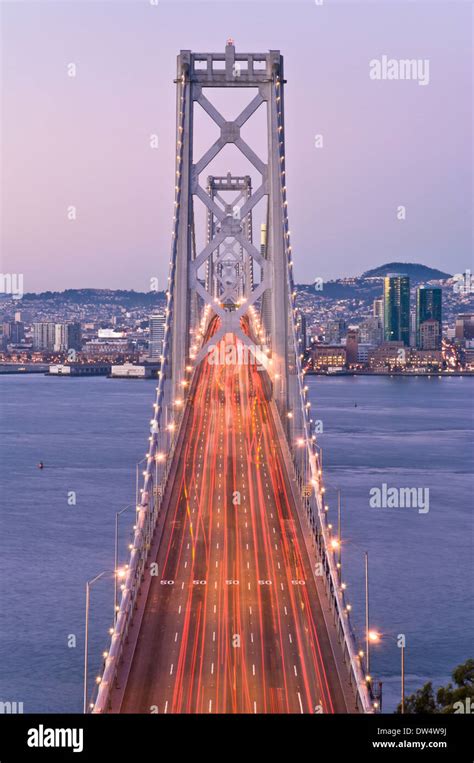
x: 232, y: 599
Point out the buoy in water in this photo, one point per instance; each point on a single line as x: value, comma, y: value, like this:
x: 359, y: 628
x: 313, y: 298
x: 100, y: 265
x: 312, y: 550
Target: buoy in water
x: 40, y: 465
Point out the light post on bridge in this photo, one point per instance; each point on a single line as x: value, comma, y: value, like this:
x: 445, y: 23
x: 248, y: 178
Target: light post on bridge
x: 367, y: 631
x: 137, y: 478
x: 320, y: 456
x: 89, y: 584
x: 337, y: 542
x: 337, y: 545
x: 301, y: 467
x: 376, y: 638
x: 118, y: 573
x: 339, y: 536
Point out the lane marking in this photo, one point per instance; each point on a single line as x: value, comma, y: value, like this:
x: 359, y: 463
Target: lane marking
x: 301, y: 704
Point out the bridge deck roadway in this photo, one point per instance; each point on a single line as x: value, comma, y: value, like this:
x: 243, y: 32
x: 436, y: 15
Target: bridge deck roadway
x: 233, y: 622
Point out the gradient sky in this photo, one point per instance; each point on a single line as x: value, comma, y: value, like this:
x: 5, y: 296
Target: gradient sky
x: 85, y: 141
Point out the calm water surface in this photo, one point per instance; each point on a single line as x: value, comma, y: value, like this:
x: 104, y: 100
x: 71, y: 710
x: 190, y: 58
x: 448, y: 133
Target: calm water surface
x: 414, y: 432
x: 91, y: 432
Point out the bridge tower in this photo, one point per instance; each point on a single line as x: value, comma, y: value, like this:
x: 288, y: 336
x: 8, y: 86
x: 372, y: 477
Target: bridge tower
x: 228, y: 226
x: 229, y: 261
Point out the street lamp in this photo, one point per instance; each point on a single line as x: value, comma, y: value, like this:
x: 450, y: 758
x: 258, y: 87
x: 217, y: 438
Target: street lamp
x: 367, y: 637
x: 336, y: 544
x: 400, y: 641
x: 339, y: 536
x: 320, y: 456
x: 117, y: 574
x: 89, y: 584
x: 117, y: 517
x: 137, y: 477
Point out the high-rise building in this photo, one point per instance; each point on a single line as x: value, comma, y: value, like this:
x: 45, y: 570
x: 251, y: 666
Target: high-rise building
x: 74, y: 336
x: 266, y: 302
x: 60, y: 337
x: 413, y: 327
x: 44, y: 336
x: 13, y: 331
x: 57, y: 337
x: 430, y: 335
x: 428, y: 308
x: 335, y: 331
x: 396, y: 308
x: 352, y: 346
x: 464, y: 327
x: 263, y: 240
x: 301, y: 330
x: 371, y: 331
x: 157, y: 335
x: 378, y: 308
x: 67, y: 336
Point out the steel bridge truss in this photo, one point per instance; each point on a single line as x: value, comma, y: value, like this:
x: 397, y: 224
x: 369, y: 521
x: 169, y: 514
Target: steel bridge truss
x: 229, y: 256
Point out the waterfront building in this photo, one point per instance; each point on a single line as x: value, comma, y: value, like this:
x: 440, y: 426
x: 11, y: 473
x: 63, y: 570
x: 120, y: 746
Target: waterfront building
x: 328, y: 356
x: 388, y: 355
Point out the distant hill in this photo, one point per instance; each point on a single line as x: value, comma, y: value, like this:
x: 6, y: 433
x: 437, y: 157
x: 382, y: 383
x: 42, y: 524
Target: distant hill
x: 359, y: 289
x: 416, y: 271
x: 128, y: 298
x: 365, y: 288
x: 342, y: 288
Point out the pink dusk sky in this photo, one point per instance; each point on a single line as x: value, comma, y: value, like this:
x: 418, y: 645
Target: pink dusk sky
x: 84, y: 141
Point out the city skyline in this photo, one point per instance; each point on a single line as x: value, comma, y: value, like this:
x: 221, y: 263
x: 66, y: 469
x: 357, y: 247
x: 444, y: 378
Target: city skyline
x: 91, y: 146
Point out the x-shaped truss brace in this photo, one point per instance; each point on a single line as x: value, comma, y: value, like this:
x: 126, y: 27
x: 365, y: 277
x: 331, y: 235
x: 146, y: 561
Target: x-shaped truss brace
x: 230, y: 227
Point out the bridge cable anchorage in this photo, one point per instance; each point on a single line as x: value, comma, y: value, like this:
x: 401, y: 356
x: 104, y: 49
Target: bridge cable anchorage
x: 227, y: 286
